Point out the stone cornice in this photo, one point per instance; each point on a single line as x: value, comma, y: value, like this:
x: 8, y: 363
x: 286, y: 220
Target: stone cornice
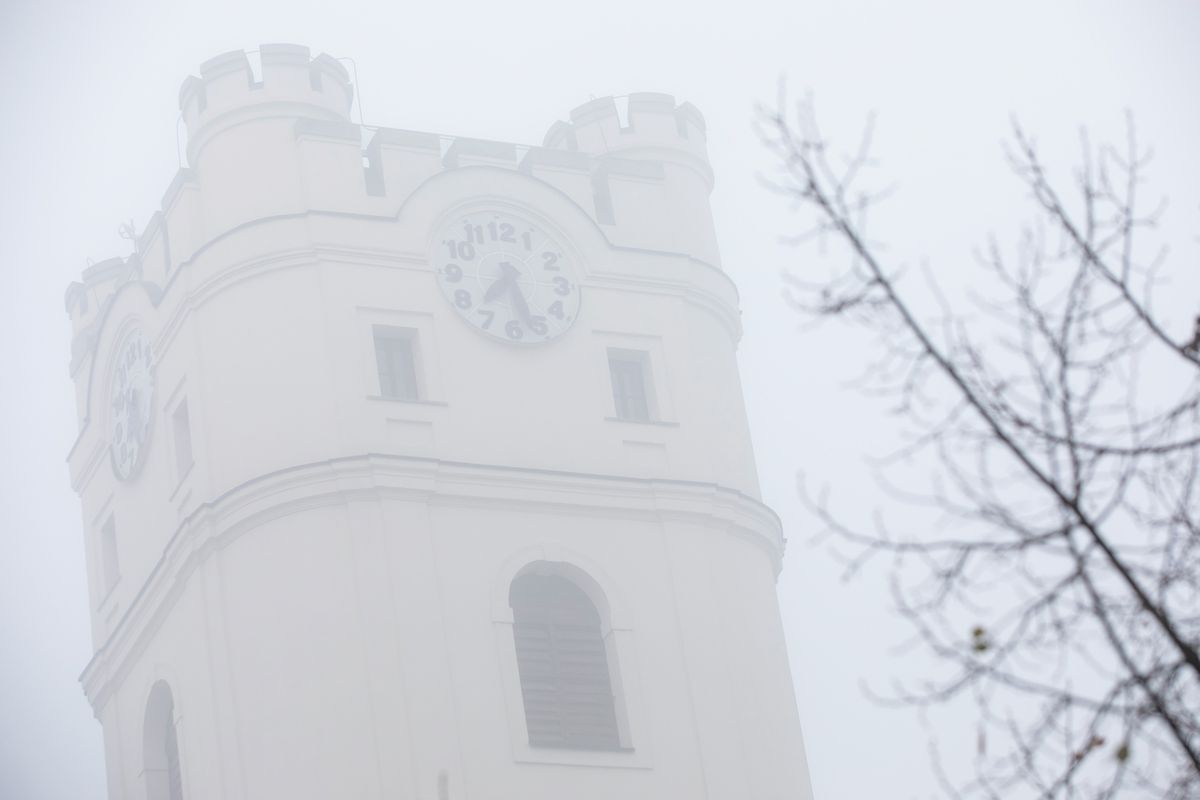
x: 306, y: 255
x: 374, y: 476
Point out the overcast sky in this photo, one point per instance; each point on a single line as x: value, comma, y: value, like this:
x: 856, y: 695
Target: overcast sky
x: 89, y: 93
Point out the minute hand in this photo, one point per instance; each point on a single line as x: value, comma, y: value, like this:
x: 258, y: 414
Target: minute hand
x: 518, y: 302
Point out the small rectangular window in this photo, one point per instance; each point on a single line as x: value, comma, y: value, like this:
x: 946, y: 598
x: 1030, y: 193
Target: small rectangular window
x: 108, y: 555
x: 629, y: 370
x: 182, y: 429
x: 396, y: 362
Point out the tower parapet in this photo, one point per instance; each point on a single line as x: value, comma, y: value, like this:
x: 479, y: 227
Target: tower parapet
x: 657, y: 128
x: 243, y: 148
x: 293, y: 84
x: 669, y: 138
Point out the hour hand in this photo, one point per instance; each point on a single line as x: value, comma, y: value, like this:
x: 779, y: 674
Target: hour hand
x: 507, y: 279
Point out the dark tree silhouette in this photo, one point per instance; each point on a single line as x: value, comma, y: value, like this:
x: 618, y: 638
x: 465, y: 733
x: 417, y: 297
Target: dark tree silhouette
x: 1066, y: 600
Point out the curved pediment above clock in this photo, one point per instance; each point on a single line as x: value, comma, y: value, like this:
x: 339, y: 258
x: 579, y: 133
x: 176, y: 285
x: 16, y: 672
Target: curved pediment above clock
x: 89, y: 301
x: 131, y: 306
x: 602, y: 257
x: 477, y: 186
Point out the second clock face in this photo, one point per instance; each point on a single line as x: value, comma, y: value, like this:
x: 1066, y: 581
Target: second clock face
x: 507, y: 276
x: 132, y: 404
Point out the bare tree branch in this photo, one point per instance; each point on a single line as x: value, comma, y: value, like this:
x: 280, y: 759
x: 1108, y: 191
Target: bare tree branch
x: 1070, y: 588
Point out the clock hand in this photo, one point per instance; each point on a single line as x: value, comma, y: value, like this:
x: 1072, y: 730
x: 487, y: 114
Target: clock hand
x: 496, y: 289
x: 518, y: 302
x: 506, y: 280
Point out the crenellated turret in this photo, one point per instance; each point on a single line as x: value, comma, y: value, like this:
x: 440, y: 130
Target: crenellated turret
x: 662, y: 140
x: 293, y: 85
x: 243, y: 133
x: 657, y: 129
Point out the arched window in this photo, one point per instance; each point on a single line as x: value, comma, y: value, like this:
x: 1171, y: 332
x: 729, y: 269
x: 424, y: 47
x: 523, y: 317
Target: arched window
x: 160, y: 747
x: 563, y: 665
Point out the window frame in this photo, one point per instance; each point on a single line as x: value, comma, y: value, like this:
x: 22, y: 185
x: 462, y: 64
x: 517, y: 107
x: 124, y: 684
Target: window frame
x: 566, y: 637
x: 181, y: 439
x: 632, y: 362
x: 162, y: 748
x: 633, y: 720
x: 410, y: 337
x: 110, y: 557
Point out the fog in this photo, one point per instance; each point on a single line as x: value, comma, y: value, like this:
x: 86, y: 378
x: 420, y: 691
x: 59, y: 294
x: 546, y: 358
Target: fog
x: 93, y: 139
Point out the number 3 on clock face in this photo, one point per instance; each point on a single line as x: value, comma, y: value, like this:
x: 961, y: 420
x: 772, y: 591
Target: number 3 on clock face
x: 506, y: 276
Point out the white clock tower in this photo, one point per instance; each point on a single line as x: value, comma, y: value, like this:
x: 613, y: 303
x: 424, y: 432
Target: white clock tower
x: 416, y: 466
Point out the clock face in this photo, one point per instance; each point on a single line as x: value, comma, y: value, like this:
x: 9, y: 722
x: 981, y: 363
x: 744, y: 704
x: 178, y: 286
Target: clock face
x: 130, y: 413
x: 507, y: 276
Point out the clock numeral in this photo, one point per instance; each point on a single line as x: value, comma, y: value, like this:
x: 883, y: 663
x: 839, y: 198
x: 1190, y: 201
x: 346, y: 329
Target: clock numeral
x: 490, y: 292
x: 502, y: 233
x: 461, y: 250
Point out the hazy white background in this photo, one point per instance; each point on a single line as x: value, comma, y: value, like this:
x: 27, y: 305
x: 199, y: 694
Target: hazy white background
x: 88, y: 96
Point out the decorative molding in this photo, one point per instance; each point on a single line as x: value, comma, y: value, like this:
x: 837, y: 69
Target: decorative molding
x: 313, y: 255
x: 241, y: 509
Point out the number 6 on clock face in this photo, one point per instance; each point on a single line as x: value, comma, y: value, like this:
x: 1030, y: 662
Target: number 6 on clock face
x: 507, y: 277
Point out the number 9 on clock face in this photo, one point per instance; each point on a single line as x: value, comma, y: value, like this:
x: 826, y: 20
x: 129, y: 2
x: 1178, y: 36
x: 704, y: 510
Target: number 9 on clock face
x: 506, y: 276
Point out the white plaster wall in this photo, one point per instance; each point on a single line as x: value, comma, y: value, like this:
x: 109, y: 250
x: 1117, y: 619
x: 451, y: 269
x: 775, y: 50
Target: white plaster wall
x: 320, y: 588
x: 361, y: 655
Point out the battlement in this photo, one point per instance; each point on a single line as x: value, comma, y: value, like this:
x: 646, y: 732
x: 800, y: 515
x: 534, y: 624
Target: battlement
x: 277, y: 170
x: 656, y: 128
x: 278, y: 141
x: 292, y: 84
